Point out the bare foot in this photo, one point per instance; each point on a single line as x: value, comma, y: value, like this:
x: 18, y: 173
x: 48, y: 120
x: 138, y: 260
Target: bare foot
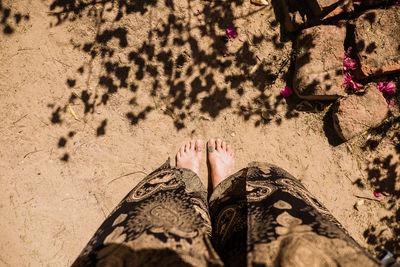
x: 222, y: 161
x: 189, y: 156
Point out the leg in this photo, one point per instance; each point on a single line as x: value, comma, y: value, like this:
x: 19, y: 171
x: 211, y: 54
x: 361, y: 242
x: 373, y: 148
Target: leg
x: 163, y: 220
x: 265, y: 217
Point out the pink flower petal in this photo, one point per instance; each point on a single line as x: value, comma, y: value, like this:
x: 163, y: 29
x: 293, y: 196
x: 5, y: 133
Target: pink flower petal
x: 357, y: 3
x: 231, y: 32
x: 348, y: 80
x: 390, y: 103
x: 347, y: 53
x: 390, y: 88
x: 349, y: 64
x: 387, y: 87
x: 355, y: 86
x: 348, y: 77
x: 286, y: 92
x: 381, y: 86
x: 376, y: 194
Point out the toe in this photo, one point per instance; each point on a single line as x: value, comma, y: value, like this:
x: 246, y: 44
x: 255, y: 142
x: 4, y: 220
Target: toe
x: 199, y: 145
x: 223, y: 145
x: 211, y: 143
x: 192, y: 145
x: 229, y: 150
x: 181, y: 150
x: 218, y: 144
x: 187, y: 147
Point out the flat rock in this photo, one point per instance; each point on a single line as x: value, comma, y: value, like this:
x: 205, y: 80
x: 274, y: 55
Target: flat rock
x: 298, y: 14
x: 355, y: 114
x: 377, y: 36
x: 295, y: 14
x: 319, y: 63
x: 319, y: 7
x: 345, y: 6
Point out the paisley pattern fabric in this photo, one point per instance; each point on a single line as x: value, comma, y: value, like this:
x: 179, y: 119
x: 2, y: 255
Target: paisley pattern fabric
x: 163, y: 221
x: 260, y: 216
x: 263, y: 216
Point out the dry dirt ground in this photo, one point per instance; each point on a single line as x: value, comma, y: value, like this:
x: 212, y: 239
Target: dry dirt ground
x: 141, y: 80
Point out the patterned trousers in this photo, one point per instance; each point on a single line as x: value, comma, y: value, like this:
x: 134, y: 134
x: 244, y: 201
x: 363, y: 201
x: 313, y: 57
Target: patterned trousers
x: 259, y: 216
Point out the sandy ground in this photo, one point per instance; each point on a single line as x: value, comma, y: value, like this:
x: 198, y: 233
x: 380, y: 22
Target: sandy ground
x: 141, y: 83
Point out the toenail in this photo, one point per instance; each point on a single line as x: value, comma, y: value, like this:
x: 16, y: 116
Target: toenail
x: 210, y: 149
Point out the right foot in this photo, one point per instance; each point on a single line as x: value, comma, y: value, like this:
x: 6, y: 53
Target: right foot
x: 189, y: 156
x: 222, y: 161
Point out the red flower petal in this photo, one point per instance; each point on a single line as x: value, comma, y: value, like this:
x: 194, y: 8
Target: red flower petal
x: 231, y: 32
x: 376, y: 194
x: 286, y: 92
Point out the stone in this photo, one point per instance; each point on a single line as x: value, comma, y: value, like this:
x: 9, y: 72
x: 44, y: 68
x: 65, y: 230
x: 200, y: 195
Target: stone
x: 298, y: 14
x: 378, y: 41
x: 319, y: 63
x: 354, y: 114
x: 319, y: 7
x: 344, y: 7
x: 295, y: 14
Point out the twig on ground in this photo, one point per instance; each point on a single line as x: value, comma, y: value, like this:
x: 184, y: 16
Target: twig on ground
x: 19, y: 119
x: 65, y: 64
x: 42, y: 121
x: 125, y: 176
x: 32, y: 152
x: 368, y: 198
x: 28, y: 201
x: 348, y: 178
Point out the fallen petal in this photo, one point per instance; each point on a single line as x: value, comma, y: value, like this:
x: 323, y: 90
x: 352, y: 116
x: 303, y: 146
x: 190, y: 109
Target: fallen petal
x: 390, y: 103
x: 349, y: 64
x: 347, y: 79
x: 231, y: 32
x: 355, y: 86
x: 390, y: 88
x: 286, y: 92
x: 376, y: 194
x: 381, y: 86
x: 347, y: 52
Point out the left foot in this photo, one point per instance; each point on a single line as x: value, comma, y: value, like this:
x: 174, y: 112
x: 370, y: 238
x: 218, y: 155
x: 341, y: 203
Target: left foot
x: 221, y: 159
x: 190, y: 155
